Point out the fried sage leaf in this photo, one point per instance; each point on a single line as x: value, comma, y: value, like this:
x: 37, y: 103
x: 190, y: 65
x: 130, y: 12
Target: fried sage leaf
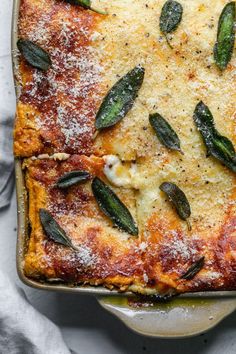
x: 178, y: 199
x: 120, y: 99
x: 217, y: 145
x: 34, y: 54
x: 71, y: 178
x: 194, y: 269
x: 224, y: 46
x: 53, y: 230
x: 165, y: 132
x: 224, y: 145
x: 171, y: 16
x: 86, y: 4
x: 113, y: 207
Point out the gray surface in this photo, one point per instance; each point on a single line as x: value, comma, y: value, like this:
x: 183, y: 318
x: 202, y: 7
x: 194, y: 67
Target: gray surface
x: 85, y: 325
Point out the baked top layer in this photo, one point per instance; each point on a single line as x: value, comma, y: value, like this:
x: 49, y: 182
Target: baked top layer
x: 56, y: 108
x: 56, y: 114
x: 154, y: 262
x: 105, y: 254
x: 90, y: 52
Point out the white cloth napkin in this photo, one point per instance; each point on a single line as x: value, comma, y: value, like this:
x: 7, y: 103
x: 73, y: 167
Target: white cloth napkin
x: 23, y: 330
x: 6, y: 160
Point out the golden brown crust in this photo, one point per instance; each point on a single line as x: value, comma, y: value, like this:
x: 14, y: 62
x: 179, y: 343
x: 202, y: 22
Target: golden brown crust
x: 106, y: 255
x: 154, y: 262
x: 170, y: 252
x: 62, y: 101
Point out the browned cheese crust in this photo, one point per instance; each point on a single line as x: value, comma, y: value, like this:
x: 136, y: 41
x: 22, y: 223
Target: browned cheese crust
x: 105, y: 254
x: 56, y: 109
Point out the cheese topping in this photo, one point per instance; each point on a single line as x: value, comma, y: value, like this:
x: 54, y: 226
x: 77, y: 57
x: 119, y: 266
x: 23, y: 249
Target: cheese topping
x: 119, y: 173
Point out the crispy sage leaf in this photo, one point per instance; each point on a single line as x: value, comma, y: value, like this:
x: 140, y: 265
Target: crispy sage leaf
x: 194, y: 269
x: 224, y: 46
x: 86, y: 4
x: 113, y: 207
x: 171, y: 16
x: 178, y: 199
x: 34, y: 55
x: 71, y: 178
x: 225, y: 146
x: 217, y: 145
x: 120, y: 99
x: 165, y: 132
x: 53, y: 230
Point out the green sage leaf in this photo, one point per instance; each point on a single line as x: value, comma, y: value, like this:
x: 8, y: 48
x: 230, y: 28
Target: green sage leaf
x: 86, y: 4
x: 71, y: 178
x: 53, y: 230
x: 224, y: 46
x: 113, y: 207
x: 34, y: 54
x: 171, y: 16
x: 178, y: 199
x: 224, y: 145
x: 165, y: 132
x: 217, y: 145
x: 194, y: 269
x: 120, y: 99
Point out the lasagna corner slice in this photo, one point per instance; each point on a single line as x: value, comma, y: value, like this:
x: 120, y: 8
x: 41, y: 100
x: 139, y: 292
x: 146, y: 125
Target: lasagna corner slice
x: 56, y: 107
x: 172, y: 249
x: 103, y: 254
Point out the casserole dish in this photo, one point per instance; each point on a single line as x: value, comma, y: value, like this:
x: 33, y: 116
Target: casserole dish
x: 23, y: 237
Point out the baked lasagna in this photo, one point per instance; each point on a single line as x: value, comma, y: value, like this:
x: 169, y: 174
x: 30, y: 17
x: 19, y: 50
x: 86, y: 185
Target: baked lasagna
x: 125, y: 127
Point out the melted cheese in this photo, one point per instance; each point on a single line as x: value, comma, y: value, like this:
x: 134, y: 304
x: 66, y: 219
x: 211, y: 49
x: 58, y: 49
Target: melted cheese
x: 118, y: 173
x: 175, y: 80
